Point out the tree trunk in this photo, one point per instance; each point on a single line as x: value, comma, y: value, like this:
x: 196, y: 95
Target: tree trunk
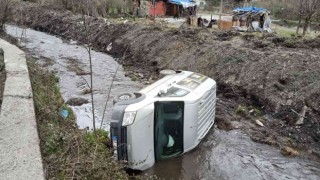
x: 298, y: 27
x: 310, y: 26
x: 3, y: 16
x: 305, y: 26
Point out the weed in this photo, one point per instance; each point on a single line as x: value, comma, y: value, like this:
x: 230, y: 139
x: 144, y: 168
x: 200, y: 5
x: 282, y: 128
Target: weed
x: 133, y: 77
x: 2, y: 75
x: 235, y: 58
x: 242, y: 110
x: 68, y: 152
x: 290, y: 43
x: 285, y: 33
x: 255, y: 111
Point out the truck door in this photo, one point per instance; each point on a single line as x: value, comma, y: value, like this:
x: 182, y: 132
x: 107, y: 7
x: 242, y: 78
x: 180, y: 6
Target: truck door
x: 168, y: 129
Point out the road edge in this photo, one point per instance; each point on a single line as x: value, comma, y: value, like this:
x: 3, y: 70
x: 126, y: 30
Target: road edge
x: 19, y: 140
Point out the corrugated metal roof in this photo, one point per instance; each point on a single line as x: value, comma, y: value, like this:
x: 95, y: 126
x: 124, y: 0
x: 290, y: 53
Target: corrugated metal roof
x: 183, y: 3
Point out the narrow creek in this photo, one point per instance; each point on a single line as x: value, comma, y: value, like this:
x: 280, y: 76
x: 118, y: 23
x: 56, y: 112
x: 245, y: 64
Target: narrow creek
x: 221, y: 155
x: 70, y: 62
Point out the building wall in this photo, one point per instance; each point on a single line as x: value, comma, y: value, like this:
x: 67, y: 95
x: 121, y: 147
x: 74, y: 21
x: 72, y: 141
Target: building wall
x: 157, y: 10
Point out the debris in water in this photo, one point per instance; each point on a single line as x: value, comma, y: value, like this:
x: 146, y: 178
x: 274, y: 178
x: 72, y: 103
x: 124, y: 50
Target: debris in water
x: 77, y: 101
x: 259, y: 123
x: 109, y: 47
x: 64, y: 113
x: 288, y: 151
x: 302, y: 115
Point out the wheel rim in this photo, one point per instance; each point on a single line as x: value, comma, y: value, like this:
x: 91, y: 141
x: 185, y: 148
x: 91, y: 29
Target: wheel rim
x: 124, y: 97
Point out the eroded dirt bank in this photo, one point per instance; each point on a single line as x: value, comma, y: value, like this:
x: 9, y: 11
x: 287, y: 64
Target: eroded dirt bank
x: 255, y: 73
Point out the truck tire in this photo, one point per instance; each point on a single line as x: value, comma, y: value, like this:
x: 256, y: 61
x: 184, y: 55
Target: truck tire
x: 124, y: 97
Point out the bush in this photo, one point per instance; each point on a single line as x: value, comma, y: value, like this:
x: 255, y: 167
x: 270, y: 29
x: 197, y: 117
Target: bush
x: 93, y: 7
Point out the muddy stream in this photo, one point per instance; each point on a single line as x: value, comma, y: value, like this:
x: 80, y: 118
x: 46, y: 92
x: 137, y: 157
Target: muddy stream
x: 221, y: 155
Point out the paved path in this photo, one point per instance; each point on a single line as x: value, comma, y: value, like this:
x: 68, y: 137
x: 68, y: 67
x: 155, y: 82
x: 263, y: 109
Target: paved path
x: 20, y: 156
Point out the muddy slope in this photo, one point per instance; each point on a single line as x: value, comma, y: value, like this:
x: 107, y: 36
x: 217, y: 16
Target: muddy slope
x: 280, y: 77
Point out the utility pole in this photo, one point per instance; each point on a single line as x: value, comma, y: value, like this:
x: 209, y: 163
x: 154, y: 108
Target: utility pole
x: 221, y: 8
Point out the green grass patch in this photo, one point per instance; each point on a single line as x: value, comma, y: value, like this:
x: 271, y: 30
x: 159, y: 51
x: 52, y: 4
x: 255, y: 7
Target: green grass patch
x: 242, y: 110
x: 285, y: 33
x: 68, y: 152
x: 249, y: 111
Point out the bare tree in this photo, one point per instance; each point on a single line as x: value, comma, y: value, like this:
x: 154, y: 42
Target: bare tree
x: 82, y: 7
x: 306, y: 11
x: 4, y: 13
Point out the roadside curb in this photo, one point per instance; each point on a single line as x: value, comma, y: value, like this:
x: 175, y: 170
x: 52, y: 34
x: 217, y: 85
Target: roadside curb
x: 20, y: 156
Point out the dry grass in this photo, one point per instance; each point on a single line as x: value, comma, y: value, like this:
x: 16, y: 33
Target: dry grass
x: 68, y: 153
x: 2, y: 75
x: 92, y: 7
x: 288, y: 151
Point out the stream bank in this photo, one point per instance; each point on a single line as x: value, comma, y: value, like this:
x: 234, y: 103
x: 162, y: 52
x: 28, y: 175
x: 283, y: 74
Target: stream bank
x: 276, y: 76
x: 248, y: 83
x: 67, y: 151
x: 70, y: 63
x: 222, y: 154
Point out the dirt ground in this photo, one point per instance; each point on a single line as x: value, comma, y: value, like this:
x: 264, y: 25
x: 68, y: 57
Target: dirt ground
x: 262, y: 78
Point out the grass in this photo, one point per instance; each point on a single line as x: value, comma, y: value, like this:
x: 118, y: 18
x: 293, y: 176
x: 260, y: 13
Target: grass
x: 1, y: 59
x: 246, y: 111
x: 68, y: 152
x: 241, y: 110
x: 2, y: 75
x: 285, y: 33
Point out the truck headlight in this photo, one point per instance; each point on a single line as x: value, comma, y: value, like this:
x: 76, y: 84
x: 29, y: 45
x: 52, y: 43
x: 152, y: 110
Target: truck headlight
x: 128, y: 118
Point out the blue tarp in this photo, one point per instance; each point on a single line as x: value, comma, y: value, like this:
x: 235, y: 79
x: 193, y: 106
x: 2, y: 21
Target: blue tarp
x: 250, y: 9
x: 183, y: 3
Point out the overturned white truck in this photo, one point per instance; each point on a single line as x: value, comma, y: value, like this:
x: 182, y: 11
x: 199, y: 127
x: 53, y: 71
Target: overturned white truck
x: 166, y: 119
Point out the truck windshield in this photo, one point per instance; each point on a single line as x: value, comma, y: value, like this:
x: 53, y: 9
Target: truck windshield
x: 175, y: 92
x: 168, y: 129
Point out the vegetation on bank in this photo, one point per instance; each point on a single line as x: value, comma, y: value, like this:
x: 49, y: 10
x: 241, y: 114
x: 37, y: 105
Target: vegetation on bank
x: 93, y: 7
x: 2, y: 75
x: 68, y: 153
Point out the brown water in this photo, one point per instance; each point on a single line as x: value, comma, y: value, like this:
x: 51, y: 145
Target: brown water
x: 221, y: 155
x: 233, y: 155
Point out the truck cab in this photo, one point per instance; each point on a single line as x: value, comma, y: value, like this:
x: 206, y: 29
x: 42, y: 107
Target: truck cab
x: 164, y: 120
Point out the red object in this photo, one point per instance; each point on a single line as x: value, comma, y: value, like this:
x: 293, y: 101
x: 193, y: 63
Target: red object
x: 159, y: 9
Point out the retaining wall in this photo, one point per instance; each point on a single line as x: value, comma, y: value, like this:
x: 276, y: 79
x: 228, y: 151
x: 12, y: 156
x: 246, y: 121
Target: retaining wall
x: 20, y: 156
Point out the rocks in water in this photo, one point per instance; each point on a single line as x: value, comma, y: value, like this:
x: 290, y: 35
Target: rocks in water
x: 288, y: 151
x: 86, y: 91
x: 77, y: 101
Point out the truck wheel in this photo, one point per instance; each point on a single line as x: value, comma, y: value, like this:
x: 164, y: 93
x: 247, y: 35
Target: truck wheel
x: 124, y: 97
